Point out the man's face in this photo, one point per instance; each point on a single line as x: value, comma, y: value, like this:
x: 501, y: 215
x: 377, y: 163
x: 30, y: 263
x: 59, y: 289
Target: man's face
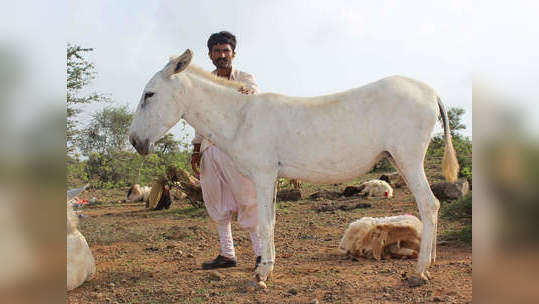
x: 221, y: 55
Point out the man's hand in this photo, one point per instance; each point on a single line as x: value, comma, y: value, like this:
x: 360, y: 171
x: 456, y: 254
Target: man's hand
x: 195, y: 163
x: 245, y: 90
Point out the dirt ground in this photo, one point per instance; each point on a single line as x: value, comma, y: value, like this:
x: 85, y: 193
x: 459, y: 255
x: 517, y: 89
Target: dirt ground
x: 155, y: 256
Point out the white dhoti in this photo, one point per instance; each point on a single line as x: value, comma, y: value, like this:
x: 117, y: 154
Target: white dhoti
x: 226, y: 191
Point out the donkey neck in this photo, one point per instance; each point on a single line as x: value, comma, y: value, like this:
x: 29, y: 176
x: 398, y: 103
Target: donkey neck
x: 213, y: 110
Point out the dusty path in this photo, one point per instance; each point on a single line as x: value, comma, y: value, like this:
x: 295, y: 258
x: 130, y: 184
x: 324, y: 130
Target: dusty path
x: 155, y: 256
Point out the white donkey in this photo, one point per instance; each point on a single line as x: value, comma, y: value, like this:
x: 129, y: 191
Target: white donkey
x: 326, y: 139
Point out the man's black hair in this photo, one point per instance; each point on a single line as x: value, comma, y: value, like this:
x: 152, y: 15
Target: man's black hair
x: 222, y: 38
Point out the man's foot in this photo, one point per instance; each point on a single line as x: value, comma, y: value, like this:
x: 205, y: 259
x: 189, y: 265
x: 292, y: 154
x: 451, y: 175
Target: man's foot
x: 257, y: 261
x: 219, y: 262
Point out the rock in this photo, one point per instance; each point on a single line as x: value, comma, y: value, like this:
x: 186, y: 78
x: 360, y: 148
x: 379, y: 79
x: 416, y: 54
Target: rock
x: 450, y: 191
x: 289, y: 195
x: 111, y: 285
x: 189, y: 255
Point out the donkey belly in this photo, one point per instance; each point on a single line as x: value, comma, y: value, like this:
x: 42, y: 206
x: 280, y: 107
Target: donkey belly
x: 330, y: 169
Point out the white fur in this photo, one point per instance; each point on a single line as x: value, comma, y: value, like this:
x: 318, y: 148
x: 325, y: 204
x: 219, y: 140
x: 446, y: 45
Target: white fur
x: 372, y: 237
x: 324, y: 139
x: 139, y: 194
x: 376, y: 188
x: 80, y: 261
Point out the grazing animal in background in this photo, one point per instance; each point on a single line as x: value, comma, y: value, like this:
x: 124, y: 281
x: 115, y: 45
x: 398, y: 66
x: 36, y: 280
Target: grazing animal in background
x: 393, y: 179
x: 385, y: 178
x: 138, y: 194
x: 376, y: 188
x: 398, y: 236
x: 80, y: 261
x: 159, y: 197
x: 325, y: 139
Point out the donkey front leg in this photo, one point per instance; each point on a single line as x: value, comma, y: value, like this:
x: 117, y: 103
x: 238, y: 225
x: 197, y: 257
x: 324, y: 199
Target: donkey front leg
x: 265, y: 195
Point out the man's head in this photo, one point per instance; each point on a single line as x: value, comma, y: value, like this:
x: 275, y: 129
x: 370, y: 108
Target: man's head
x: 221, y: 47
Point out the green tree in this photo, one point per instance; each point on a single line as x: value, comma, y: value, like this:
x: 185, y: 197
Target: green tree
x: 80, y: 72
x: 167, y: 144
x: 107, y: 131
x: 455, y: 120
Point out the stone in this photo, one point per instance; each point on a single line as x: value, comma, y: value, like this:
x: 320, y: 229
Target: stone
x: 289, y: 195
x: 450, y: 191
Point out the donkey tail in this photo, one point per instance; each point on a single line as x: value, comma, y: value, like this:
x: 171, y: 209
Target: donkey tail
x: 450, y: 165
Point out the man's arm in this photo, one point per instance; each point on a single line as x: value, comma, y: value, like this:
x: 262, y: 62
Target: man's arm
x: 196, y: 156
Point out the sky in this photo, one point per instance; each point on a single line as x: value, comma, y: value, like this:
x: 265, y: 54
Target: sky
x: 297, y: 48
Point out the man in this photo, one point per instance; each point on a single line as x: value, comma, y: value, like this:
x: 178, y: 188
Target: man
x: 224, y: 189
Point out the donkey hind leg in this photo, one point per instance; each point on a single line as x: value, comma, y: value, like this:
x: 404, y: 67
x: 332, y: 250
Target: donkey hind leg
x: 414, y: 176
x: 435, y: 232
x: 265, y: 193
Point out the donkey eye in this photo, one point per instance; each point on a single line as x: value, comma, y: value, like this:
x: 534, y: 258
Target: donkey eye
x: 148, y: 95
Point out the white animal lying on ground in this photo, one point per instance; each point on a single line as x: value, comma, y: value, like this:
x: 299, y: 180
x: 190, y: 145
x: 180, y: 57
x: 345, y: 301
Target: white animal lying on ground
x: 377, y: 188
x: 138, y: 194
x: 369, y: 237
x: 80, y: 261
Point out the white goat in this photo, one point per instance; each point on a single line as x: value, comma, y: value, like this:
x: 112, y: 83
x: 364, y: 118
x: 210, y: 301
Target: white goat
x: 379, y: 237
x: 376, y: 187
x: 138, y: 194
x: 80, y: 261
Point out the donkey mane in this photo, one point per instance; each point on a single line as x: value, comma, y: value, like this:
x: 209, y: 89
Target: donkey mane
x: 201, y: 73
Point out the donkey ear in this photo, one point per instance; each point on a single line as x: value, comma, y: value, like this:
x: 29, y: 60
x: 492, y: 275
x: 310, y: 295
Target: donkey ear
x: 178, y: 64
